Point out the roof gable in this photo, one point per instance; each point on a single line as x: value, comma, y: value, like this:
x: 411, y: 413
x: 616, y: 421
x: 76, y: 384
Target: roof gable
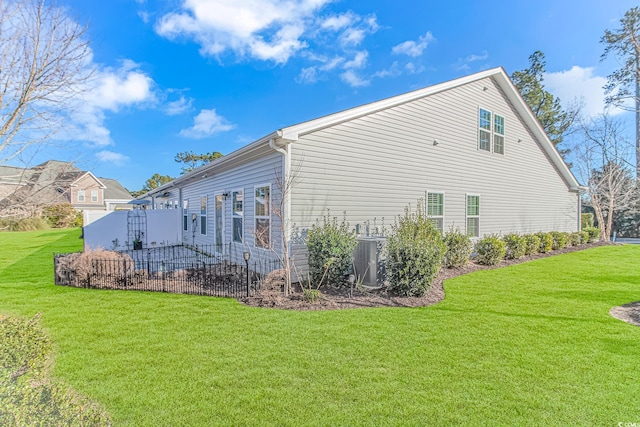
x: 500, y: 77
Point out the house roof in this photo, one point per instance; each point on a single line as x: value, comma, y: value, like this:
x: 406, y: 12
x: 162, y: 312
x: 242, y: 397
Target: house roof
x: 115, y: 190
x: 292, y: 133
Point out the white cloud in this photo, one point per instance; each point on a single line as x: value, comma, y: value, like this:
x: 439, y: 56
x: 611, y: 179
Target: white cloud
x: 207, y: 123
x: 116, y: 159
x: 481, y: 57
x: 121, y: 87
x: 179, y: 106
x: 262, y: 29
x: 358, y: 61
x: 413, y: 48
x: 413, y: 68
x: 338, y: 22
x: 582, y: 85
x: 353, y: 79
x: 308, y: 75
x: 110, y: 90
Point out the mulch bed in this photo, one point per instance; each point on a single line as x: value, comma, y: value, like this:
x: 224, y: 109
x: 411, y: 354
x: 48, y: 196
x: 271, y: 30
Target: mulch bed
x: 339, y: 298
x: 629, y: 313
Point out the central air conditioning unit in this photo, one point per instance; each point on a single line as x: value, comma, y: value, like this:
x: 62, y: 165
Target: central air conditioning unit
x: 369, y: 261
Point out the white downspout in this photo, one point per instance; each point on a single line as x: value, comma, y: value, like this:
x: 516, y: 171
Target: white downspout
x: 286, y: 170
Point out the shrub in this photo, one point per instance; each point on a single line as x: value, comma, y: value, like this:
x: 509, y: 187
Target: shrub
x: 560, y: 240
x: 80, y: 267
x: 575, y: 238
x: 415, y: 254
x: 593, y: 232
x: 28, y: 396
x: 546, y: 242
x: 62, y: 215
x: 330, y: 244
x: 532, y: 244
x: 515, y: 246
x: 459, y: 248
x: 490, y: 250
x: 586, y: 219
x: 584, y: 237
x: 23, y: 224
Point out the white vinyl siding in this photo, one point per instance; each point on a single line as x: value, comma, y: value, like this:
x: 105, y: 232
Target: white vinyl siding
x: 237, y: 210
x: 435, y: 209
x: 262, y: 216
x: 373, y: 167
x: 473, y: 215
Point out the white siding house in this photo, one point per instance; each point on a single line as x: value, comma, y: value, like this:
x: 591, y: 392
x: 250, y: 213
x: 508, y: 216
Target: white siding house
x: 469, y: 148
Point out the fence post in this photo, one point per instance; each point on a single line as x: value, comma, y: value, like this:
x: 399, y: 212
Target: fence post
x: 163, y: 275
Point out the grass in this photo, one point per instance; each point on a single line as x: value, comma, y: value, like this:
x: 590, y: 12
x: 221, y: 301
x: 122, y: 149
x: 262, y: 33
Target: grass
x: 531, y: 344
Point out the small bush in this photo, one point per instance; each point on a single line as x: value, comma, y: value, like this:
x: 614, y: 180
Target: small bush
x: 515, y: 246
x: 584, y: 237
x: 532, y: 244
x: 490, y: 250
x: 82, y: 266
x: 415, y: 254
x: 593, y: 232
x: 330, y: 244
x: 560, y: 240
x: 459, y: 248
x: 62, y: 215
x: 546, y: 242
x: 23, y: 224
x: 575, y: 238
x: 311, y: 295
x: 586, y: 219
x: 28, y: 396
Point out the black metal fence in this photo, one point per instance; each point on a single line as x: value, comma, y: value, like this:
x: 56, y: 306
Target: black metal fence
x: 179, y: 269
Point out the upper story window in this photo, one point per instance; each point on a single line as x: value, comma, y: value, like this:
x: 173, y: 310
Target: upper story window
x: 94, y: 196
x: 185, y: 215
x: 81, y: 195
x: 490, y: 129
x: 435, y: 209
x: 498, y: 134
x: 484, y: 136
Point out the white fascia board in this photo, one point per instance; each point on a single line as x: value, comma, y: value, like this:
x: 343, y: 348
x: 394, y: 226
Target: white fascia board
x: 194, y: 175
x: 533, y: 123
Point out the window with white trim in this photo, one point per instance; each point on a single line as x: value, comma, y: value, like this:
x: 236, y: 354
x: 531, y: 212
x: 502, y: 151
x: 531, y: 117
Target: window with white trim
x: 185, y: 215
x: 237, y: 208
x: 203, y: 215
x: 81, y: 195
x: 94, y: 195
x: 262, y: 205
x: 491, y: 132
x: 473, y: 215
x: 484, y: 131
x: 435, y: 209
x: 498, y: 134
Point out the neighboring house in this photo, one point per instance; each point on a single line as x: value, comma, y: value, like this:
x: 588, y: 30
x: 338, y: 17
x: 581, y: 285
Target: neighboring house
x: 469, y: 148
x: 25, y: 190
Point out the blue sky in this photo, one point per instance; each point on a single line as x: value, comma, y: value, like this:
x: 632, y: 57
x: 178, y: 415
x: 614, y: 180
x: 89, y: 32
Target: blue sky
x: 214, y: 75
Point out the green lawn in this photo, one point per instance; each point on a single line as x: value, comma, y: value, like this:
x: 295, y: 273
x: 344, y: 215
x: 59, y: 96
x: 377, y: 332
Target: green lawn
x: 531, y: 344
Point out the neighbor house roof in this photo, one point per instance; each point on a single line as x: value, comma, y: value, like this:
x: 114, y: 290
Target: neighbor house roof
x: 114, y: 190
x: 293, y: 133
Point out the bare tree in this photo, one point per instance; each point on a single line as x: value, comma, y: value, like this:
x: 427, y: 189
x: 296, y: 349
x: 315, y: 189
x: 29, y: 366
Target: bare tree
x: 44, y: 65
x: 602, y: 162
x: 285, y: 182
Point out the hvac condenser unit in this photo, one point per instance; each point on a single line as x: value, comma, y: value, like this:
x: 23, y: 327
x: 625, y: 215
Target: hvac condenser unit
x: 369, y: 261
